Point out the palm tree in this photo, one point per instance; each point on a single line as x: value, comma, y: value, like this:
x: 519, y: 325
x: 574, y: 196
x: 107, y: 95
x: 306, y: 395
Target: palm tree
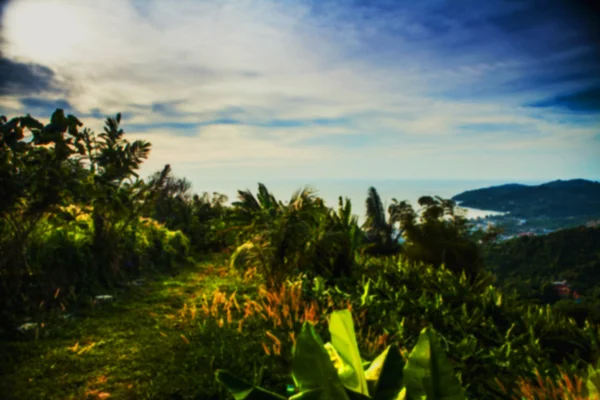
x: 338, y: 240
x: 278, y: 238
x: 380, y: 232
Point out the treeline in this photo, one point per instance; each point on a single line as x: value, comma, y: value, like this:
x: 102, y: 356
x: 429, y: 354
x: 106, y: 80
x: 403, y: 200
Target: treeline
x: 76, y: 218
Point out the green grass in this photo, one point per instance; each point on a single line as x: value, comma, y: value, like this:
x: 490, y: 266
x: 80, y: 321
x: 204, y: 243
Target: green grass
x: 131, y: 349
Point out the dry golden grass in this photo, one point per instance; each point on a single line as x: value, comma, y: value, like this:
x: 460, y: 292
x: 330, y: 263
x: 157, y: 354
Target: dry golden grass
x: 564, y: 388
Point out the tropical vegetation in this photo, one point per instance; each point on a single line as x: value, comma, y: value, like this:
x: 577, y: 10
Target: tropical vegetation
x: 124, y: 287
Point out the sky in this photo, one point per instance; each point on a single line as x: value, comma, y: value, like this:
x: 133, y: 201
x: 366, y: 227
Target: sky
x: 320, y: 89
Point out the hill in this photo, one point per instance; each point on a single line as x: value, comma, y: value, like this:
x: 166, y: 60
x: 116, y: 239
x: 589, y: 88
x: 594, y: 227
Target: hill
x: 567, y: 254
x: 577, y: 198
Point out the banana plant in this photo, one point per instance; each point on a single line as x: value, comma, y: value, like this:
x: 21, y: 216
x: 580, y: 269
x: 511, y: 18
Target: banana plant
x: 593, y: 382
x: 334, y: 371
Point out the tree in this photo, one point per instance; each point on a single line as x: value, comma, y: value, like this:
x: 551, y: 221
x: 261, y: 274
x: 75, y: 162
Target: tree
x: 36, y: 178
x: 381, y: 235
x: 338, y: 240
x: 201, y: 218
x: 441, y: 236
x: 173, y: 201
x: 279, y: 239
x: 117, y: 196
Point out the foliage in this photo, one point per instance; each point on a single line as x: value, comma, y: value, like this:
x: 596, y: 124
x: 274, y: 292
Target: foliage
x: 486, y: 331
x: 529, y: 265
x: 593, y: 380
x: 71, y: 216
x: 37, y: 175
x: 302, y: 235
x: 168, y: 338
x: 201, y: 218
x: 115, y: 194
x: 380, y: 232
x: 568, y: 254
x: 437, y: 235
x: 336, y: 372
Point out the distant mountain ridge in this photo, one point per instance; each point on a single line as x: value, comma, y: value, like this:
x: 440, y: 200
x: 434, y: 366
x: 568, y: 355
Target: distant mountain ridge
x: 556, y: 199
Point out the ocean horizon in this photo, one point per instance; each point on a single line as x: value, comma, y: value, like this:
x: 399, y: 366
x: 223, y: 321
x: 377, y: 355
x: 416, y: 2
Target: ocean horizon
x: 357, y: 189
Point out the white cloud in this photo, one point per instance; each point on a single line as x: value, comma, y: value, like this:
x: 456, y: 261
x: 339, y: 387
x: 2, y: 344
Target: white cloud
x: 274, y: 61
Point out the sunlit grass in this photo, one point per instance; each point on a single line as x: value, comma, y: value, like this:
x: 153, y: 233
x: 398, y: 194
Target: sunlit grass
x: 171, y: 335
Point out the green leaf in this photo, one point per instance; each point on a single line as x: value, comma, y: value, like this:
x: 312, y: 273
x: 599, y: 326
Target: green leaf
x: 344, y: 370
x: 386, y: 371
x: 343, y: 338
x: 428, y: 374
x: 242, y: 390
x: 365, y: 295
x: 593, y: 382
x: 312, y: 370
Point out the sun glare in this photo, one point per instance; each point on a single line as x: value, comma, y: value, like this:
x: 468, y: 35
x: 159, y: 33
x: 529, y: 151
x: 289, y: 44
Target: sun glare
x: 43, y: 31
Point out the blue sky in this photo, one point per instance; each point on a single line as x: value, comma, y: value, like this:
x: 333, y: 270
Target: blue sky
x: 283, y: 89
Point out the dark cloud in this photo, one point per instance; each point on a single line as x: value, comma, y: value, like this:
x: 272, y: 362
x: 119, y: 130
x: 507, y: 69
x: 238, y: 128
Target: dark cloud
x: 24, y: 79
x: 168, y: 109
x: 178, y: 128
x: 94, y: 113
x: 574, y: 75
x: 550, y: 26
x: 296, y: 123
x: 583, y: 101
x: 43, y: 108
x: 191, y: 128
x: 18, y: 78
x: 3, y: 4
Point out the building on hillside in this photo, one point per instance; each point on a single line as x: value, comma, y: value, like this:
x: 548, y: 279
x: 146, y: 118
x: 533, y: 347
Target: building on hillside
x: 593, y: 223
x: 526, y: 234
x: 562, y: 288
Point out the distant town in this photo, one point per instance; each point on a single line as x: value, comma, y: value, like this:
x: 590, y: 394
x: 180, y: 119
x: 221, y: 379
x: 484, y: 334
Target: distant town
x: 512, y: 227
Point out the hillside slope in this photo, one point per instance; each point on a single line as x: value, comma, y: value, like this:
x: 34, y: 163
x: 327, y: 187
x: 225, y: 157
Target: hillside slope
x: 567, y: 254
x: 557, y: 199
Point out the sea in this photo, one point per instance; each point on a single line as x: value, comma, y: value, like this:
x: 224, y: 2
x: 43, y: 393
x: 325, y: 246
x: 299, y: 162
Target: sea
x: 357, y: 190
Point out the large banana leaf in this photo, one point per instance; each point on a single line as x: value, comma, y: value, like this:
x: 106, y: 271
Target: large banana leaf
x: 593, y: 382
x: 242, y: 390
x: 343, y: 339
x: 312, y: 369
x: 386, y: 372
x: 428, y: 374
